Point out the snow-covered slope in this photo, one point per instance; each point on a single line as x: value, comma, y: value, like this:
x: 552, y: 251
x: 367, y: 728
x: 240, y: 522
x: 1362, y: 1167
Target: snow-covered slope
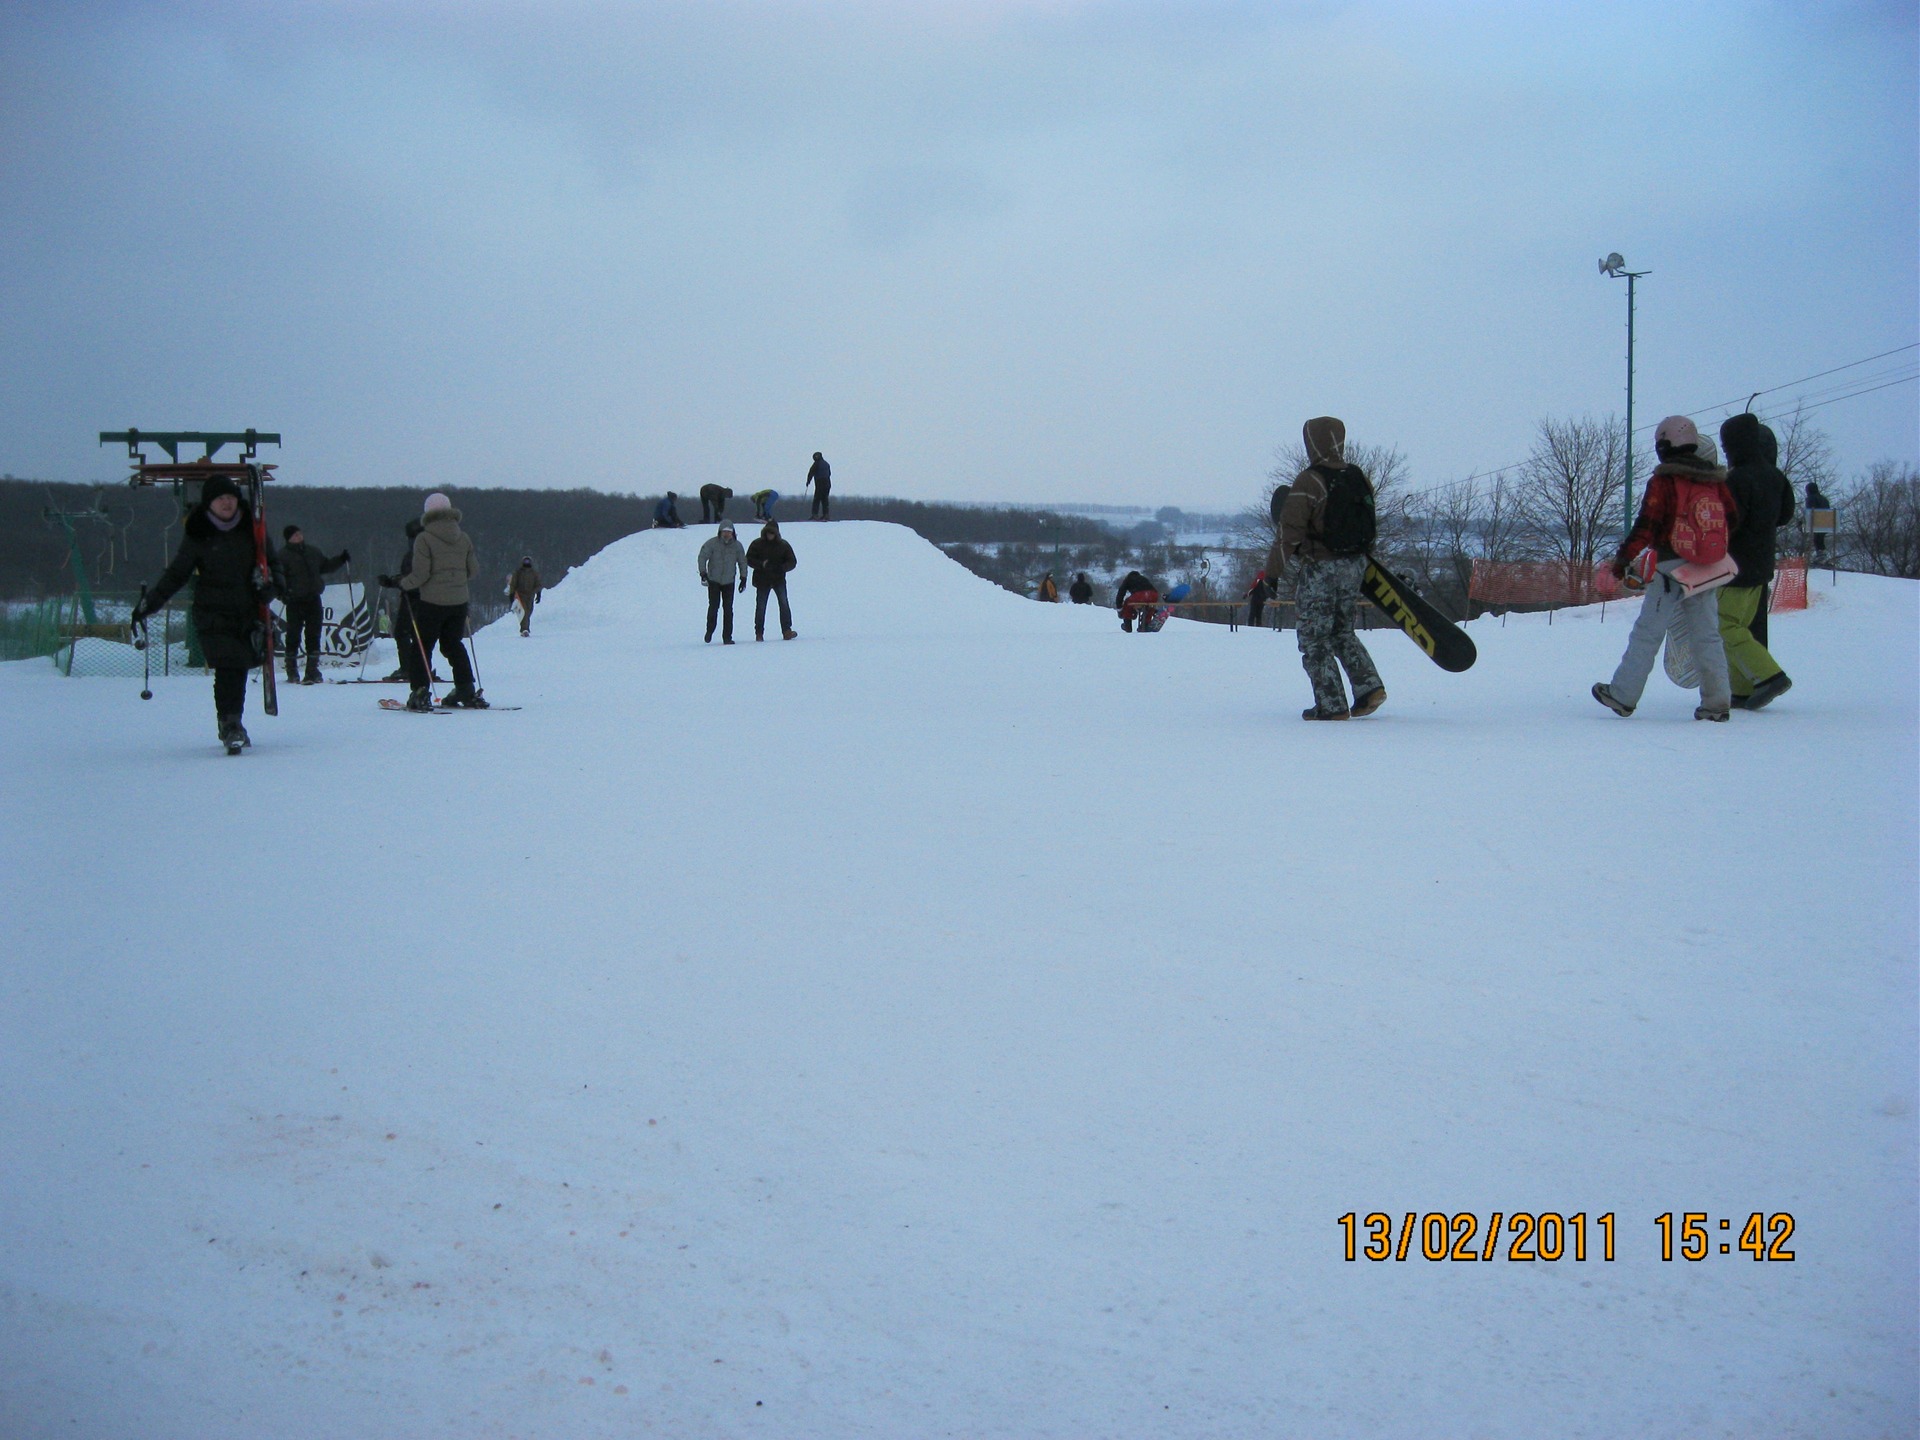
x: 964, y: 1020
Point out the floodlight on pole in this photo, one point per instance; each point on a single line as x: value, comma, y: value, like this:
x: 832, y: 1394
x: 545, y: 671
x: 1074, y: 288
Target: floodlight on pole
x: 1614, y: 267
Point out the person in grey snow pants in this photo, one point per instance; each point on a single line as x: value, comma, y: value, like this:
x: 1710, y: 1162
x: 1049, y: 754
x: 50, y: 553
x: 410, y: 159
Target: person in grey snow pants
x: 1326, y: 592
x: 1696, y: 618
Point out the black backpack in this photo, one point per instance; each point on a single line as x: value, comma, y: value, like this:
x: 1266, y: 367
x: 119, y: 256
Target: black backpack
x: 1347, y: 524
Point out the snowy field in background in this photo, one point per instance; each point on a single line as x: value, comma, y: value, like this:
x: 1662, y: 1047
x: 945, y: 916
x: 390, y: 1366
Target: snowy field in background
x: 966, y: 1020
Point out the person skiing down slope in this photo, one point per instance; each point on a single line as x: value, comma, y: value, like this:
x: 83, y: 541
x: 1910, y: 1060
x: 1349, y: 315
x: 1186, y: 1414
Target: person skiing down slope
x: 1325, y: 529
x: 722, y: 564
x: 218, y: 553
x: 1676, y: 443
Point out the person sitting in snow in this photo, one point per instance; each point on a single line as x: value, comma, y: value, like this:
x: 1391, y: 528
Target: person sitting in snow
x: 666, y: 515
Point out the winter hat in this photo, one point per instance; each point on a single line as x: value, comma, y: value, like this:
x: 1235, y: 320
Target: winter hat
x: 214, y: 487
x: 289, y: 532
x: 1676, y: 432
x: 726, y: 528
x: 1705, y: 450
x: 436, y: 501
x: 414, y: 527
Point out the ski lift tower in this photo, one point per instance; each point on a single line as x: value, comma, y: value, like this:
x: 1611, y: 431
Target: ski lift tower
x: 248, y: 475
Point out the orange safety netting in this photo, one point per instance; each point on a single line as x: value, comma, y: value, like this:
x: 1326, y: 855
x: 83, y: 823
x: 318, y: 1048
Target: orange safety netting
x: 1559, y: 582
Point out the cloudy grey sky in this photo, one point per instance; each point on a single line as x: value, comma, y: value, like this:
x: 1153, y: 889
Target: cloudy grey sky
x: 971, y: 249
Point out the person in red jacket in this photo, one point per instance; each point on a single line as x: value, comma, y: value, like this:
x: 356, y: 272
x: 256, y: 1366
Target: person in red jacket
x: 1667, y: 605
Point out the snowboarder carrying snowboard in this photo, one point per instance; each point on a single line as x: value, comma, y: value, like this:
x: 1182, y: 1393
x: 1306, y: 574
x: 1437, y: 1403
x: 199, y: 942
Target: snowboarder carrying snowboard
x: 524, y: 586
x: 218, y: 552
x: 1326, y: 527
x: 1684, y: 518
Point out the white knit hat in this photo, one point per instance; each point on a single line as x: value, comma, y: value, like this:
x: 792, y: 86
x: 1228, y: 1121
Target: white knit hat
x: 436, y: 501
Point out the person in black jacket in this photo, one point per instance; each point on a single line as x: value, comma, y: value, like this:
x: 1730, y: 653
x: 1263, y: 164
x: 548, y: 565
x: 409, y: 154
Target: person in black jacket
x: 1762, y: 502
x: 218, y: 553
x: 771, y: 559
x: 1081, y: 591
x: 412, y: 668
x: 306, y: 569
x: 1135, y: 599
x: 820, y: 477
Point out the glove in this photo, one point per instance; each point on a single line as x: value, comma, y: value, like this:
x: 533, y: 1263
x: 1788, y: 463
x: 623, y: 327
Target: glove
x: 264, y: 587
x: 345, y: 556
x: 1619, y: 567
x: 138, y: 617
x: 743, y: 586
x: 387, y: 582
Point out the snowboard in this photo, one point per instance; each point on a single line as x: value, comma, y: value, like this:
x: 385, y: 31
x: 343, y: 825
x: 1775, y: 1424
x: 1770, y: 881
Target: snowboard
x: 1446, y: 644
x: 1152, y: 622
x: 1678, y: 662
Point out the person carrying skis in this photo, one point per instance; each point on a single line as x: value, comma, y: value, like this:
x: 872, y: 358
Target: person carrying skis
x: 820, y: 477
x: 524, y: 586
x: 1763, y: 500
x: 219, y: 553
x: 666, y: 515
x: 722, y: 565
x: 1326, y: 527
x: 306, y: 569
x: 763, y: 503
x: 771, y: 560
x: 1664, y: 509
x: 1081, y: 591
x: 443, y: 566
x: 1135, y: 600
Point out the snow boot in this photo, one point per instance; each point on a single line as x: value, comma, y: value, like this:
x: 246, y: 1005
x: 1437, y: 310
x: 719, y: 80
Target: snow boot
x: 420, y: 699
x: 1314, y: 712
x: 1368, y: 703
x: 1604, y: 694
x: 1706, y: 712
x: 233, y: 734
x: 312, y: 676
x: 789, y: 634
x: 1768, y: 691
x: 467, y: 700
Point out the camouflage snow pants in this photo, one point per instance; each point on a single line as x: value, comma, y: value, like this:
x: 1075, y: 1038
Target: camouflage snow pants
x: 1326, y: 592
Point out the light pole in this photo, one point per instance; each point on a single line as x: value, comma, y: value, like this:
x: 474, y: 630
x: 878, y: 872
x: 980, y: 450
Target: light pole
x: 1616, y: 268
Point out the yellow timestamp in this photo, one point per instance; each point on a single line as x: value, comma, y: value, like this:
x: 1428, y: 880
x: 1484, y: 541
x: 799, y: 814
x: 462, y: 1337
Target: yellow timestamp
x: 1523, y: 1235
x: 1764, y: 1237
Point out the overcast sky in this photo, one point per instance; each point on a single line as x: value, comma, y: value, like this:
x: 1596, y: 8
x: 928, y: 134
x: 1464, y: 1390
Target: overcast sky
x: 996, y: 250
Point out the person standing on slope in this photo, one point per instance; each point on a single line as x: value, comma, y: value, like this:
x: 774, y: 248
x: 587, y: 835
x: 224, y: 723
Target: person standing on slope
x: 820, y: 477
x: 1817, y: 500
x: 1763, y: 500
x: 306, y: 570
x: 524, y: 586
x: 218, y: 553
x: 1081, y: 591
x: 1049, y: 592
x: 1677, y: 445
x: 723, y: 564
x: 1326, y: 527
x: 443, y: 566
x: 771, y: 560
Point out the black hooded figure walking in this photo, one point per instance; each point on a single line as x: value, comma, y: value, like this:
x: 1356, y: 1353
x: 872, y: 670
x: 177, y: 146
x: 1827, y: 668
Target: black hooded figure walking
x: 306, y: 569
x: 820, y: 477
x: 218, y: 554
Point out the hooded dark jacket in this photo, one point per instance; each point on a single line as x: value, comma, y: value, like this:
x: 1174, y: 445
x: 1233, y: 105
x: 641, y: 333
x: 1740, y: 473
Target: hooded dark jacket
x: 224, y: 569
x: 770, y: 558
x: 1325, y: 439
x: 306, y: 569
x: 1761, y: 494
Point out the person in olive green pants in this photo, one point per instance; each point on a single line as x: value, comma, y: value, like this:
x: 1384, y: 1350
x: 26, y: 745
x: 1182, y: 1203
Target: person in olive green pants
x: 1762, y: 503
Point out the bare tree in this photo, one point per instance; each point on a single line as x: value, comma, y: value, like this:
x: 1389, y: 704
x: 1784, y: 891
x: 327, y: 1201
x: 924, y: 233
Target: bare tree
x: 1386, y: 467
x: 1881, y: 519
x: 1569, y: 483
x: 1806, y: 454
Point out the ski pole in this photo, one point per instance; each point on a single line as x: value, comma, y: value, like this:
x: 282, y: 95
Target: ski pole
x: 419, y: 642
x: 473, y: 654
x: 367, y: 647
x: 140, y: 644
